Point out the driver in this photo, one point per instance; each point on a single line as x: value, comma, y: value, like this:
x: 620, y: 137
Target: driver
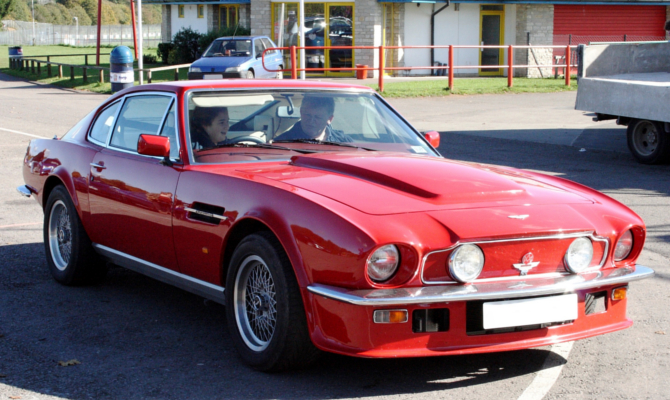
x: 209, y: 127
x: 316, y: 114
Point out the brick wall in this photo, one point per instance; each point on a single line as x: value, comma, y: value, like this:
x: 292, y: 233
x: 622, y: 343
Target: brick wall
x: 259, y: 17
x: 368, y: 32
x: 538, y: 20
x: 166, y: 24
x: 244, y: 15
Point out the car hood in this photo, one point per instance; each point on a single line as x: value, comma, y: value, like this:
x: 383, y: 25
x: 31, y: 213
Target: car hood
x: 219, y: 63
x: 390, y: 183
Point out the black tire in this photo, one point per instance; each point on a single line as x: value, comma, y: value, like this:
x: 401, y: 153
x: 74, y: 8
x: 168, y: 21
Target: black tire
x: 250, y: 74
x: 259, y: 263
x: 648, y: 141
x: 70, y: 255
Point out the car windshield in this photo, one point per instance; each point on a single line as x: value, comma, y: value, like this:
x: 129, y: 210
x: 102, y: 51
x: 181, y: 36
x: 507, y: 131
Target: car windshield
x: 229, y: 48
x: 236, y: 126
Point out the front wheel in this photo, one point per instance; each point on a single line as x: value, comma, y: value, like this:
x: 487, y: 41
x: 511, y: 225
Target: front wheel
x: 70, y: 254
x: 648, y: 141
x: 264, y: 308
x: 250, y: 74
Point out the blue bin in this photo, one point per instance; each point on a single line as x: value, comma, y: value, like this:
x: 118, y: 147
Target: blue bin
x: 121, y: 73
x: 16, y: 52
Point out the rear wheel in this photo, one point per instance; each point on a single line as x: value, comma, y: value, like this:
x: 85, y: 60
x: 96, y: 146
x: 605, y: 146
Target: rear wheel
x: 648, y: 141
x: 250, y: 74
x: 264, y: 308
x: 70, y: 255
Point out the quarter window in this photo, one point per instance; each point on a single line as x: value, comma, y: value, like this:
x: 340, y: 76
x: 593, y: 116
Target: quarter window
x: 139, y: 115
x: 104, y: 123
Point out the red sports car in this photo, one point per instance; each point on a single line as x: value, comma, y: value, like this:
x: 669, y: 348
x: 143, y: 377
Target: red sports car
x: 324, y: 221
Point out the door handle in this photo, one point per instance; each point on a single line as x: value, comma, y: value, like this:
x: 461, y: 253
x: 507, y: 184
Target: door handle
x: 98, y: 166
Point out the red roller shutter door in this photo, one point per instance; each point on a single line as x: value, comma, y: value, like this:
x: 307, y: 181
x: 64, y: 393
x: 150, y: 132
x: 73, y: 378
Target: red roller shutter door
x: 591, y: 23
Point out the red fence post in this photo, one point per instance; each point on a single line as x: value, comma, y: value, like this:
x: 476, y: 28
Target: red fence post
x: 451, y: 67
x: 294, y: 66
x: 381, y: 69
x: 510, y: 64
x: 567, y: 68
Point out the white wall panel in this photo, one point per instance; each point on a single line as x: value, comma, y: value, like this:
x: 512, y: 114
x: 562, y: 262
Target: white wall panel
x: 190, y: 19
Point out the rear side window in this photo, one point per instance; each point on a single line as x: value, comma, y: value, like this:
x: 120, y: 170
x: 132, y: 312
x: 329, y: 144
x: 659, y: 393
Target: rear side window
x: 139, y: 115
x: 104, y: 123
x: 268, y: 44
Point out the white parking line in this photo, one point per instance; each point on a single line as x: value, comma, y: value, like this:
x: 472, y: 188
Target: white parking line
x: 22, y: 133
x: 551, y: 370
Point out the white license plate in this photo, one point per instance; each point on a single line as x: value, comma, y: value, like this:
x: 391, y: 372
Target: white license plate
x: 541, y: 310
x: 212, y: 76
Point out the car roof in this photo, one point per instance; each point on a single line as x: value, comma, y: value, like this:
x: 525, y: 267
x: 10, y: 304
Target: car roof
x: 269, y: 84
x: 242, y: 37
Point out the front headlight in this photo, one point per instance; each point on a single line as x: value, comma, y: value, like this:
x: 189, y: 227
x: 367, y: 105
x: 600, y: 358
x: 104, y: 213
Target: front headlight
x: 466, y: 263
x: 623, y: 246
x: 383, y: 263
x: 194, y: 69
x: 233, y: 69
x: 579, y: 255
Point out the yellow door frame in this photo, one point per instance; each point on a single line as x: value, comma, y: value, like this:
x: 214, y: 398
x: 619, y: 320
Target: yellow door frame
x: 227, y: 7
x: 385, y: 10
x: 326, y: 37
x: 501, y: 52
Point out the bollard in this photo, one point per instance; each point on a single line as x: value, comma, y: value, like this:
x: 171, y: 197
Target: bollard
x: 60, y: 72
x: 39, y: 69
x: 85, y: 76
x: 121, y: 73
x: 49, y: 70
x: 102, y: 76
x: 148, y: 76
x: 32, y: 67
x: 176, y: 74
x: 71, y: 73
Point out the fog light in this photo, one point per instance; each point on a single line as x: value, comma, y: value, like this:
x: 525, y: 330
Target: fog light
x: 390, y: 316
x: 619, y: 293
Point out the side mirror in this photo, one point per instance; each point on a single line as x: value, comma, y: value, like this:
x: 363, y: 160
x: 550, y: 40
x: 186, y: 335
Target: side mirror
x: 152, y: 145
x: 433, y: 138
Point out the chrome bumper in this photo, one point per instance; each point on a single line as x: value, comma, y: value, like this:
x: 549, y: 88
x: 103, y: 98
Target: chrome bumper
x: 483, y: 291
x: 24, y: 191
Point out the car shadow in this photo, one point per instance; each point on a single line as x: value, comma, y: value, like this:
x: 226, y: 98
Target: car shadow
x: 133, y: 337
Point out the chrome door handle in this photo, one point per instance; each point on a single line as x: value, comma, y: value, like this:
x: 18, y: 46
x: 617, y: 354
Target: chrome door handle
x: 98, y: 166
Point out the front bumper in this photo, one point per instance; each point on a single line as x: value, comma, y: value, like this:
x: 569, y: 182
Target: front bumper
x: 223, y: 75
x: 342, y: 320
x: 483, y: 291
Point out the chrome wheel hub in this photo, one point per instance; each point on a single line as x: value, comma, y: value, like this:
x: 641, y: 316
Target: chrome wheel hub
x: 255, y: 303
x: 60, y: 235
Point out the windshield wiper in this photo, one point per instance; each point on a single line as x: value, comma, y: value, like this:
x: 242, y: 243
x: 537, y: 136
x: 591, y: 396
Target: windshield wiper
x: 264, y: 146
x: 326, y: 142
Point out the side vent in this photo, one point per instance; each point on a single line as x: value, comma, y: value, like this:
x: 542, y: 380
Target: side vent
x: 205, y: 213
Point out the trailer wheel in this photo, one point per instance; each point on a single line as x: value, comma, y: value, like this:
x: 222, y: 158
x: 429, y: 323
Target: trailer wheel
x: 648, y: 141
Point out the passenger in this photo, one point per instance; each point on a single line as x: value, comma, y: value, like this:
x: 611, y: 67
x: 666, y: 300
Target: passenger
x: 209, y: 127
x: 316, y: 114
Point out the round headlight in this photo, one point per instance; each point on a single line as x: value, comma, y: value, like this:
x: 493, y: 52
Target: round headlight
x: 466, y: 263
x: 383, y: 263
x: 579, y: 255
x: 623, y: 246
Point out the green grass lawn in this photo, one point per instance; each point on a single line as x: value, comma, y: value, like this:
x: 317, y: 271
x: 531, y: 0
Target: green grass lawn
x: 416, y: 88
x: 439, y: 87
x: 78, y: 82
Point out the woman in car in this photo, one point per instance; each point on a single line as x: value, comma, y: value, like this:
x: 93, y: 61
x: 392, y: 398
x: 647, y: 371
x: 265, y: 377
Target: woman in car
x: 209, y: 127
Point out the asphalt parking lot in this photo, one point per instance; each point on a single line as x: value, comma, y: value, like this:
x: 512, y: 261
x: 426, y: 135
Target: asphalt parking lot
x: 136, y: 338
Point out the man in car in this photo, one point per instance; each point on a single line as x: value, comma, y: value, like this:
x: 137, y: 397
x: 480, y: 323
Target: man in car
x: 316, y: 114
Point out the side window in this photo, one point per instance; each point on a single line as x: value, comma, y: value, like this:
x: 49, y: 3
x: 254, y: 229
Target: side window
x: 268, y: 44
x: 140, y: 114
x: 104, y: 123
x: 258, y: 47
x: 170, y: 131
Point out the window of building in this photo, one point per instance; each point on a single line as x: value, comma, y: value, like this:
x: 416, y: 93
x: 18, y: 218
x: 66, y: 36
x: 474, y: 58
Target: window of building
x: 228, y: 15
x: 180, y: 9
x: 201, y: 11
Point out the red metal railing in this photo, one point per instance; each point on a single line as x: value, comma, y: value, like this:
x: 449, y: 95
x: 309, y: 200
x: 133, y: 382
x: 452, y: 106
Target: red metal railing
x: 450, y: 66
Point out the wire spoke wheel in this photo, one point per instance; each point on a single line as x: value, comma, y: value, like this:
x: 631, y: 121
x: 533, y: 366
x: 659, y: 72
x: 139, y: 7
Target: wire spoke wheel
x: 255, y: 302
x: 645, y: 138
x: 60, y: 235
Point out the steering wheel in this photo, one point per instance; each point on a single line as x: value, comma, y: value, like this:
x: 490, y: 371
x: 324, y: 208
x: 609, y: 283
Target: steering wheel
x: 252, y: 139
